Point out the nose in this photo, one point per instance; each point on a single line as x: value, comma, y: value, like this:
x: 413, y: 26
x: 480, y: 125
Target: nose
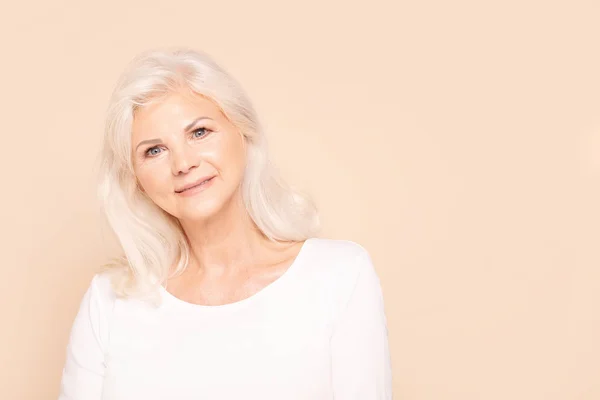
x: 183, y: 160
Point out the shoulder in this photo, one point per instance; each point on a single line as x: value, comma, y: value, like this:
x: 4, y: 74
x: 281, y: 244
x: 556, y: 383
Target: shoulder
x: 335, y: 271
x: 338, y: 263
x: 337, y: 249
x: 100, y: 292
x: 91, y: 323
x: 341, y: 256
x: 101, y: 283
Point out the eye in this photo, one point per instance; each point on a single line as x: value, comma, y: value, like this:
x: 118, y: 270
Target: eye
x: 153, y: 151
x: 200, y: 132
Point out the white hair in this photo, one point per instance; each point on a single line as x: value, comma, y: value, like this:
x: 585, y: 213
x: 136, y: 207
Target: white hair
x: 153, y: 240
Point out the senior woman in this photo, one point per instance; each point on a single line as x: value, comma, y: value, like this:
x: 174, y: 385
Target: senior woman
x: 224, y: 290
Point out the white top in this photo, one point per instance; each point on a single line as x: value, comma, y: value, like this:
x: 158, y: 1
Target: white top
x: 316, y: 333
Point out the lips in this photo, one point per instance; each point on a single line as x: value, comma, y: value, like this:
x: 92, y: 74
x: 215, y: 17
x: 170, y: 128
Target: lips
x: 193, y: 184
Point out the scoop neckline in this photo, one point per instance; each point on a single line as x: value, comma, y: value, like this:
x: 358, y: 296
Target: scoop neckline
x: 248, y: 300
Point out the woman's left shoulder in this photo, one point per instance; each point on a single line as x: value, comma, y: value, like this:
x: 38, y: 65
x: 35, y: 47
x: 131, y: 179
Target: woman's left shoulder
x: 336, y: 269
x: 340, y: 258
x: 339, y: 248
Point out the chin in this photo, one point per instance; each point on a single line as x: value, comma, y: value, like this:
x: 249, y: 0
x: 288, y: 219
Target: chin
x: 195, y: 216
x: 199, y: 211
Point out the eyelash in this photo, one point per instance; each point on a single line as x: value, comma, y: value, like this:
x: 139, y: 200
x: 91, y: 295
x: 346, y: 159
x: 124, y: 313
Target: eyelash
x: 206, y: 133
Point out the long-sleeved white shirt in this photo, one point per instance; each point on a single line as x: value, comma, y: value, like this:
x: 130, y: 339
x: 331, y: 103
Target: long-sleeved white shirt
x: 318, y: 332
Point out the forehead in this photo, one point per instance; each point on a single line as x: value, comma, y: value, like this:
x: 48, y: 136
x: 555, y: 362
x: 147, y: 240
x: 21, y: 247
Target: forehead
x: 171, y: 113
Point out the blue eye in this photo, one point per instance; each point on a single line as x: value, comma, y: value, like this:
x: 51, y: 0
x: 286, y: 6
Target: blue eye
x: 200, y: 132
x: 152, y: 151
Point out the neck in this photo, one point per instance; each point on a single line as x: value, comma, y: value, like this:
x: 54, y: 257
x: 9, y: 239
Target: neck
x: 228, y: 242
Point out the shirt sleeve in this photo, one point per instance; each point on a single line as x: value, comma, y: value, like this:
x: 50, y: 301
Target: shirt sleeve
x: 361, y: 365
x: 83, y: 372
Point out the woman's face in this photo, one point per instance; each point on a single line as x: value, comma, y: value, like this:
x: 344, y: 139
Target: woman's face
x: 177, y: 143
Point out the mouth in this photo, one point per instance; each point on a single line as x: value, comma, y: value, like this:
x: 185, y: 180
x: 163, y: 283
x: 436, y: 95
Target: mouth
x: 196, y: 185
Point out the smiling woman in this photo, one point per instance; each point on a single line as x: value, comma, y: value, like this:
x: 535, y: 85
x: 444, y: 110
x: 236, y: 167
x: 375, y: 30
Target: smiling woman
x: 223, y: 290
x: 175, y: 156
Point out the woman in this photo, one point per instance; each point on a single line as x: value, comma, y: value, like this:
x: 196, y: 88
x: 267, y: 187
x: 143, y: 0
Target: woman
x: 224, y: 291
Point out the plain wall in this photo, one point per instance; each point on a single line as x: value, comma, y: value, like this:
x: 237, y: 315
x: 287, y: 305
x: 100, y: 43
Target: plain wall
x: 458, y: 141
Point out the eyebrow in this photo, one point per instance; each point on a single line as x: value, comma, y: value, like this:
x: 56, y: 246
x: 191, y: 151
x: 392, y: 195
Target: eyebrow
x: 186, y: 129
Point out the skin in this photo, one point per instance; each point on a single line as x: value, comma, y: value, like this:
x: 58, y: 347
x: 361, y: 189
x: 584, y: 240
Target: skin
x: 177, y: 140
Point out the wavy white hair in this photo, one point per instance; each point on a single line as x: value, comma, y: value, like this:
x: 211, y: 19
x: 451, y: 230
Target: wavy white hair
x: 152, y: 240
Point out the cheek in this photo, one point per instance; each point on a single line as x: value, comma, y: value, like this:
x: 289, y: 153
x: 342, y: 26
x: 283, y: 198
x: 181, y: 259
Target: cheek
x: 225, y: 157
x: 233, y: 158
x: 153, y: 180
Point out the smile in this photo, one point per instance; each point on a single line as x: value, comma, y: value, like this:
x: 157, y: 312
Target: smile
x: 195, y: 188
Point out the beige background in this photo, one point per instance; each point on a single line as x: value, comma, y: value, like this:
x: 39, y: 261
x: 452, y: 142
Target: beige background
x: 458, y: 141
